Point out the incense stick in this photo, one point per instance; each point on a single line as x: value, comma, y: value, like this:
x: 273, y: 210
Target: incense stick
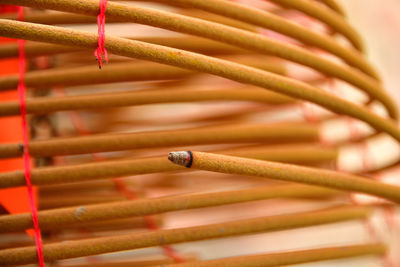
x: 98, y: 101
x: 243, y: 39
x: 273, y: 22
x: 225, y: 69
x: 190, y: 43
x: 292, y: 257
x: 332, y: 19
x: 86, y: 247
x: 286, y: 172
x: 52, y: 219
x: 120, y: 72
x: 236, y: 133
x: 238, y: 38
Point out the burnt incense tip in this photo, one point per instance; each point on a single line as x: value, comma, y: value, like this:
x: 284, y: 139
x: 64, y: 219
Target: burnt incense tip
x: 183, y: 158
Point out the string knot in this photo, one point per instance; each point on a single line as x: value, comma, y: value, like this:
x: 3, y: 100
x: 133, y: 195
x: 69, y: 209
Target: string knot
x: 101, y: 22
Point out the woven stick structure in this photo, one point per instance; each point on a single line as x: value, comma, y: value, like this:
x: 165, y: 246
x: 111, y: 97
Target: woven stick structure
x: 264, y: 99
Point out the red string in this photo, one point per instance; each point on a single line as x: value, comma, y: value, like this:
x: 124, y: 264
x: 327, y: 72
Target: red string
x: 151, y: 222
x: 8, y: 9
x: 26, y: 158
x: 101, y: 22
x: 366, y: 163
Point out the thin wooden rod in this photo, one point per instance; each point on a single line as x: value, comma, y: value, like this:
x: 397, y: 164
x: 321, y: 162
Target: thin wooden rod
x: 157, y: 261
x: 125, y: 72
x: 79, y: 188
x: 246, y: 14
x: 335, y: 6
x: 107, y: 225
x: 292, y: 257
x: 116, y: 72
x: 286, y: 172
x: 50, y: 219
x: 74, y: 76
x: 327, y: 16
x: 305, y: 154
x: 86, y: 172
x: 190, y: 43
x: 208, y: 16
x: 98, y: 101
x: 96, y: 246
x: 276, y: 23
x: 53, y: 202
x: 288, y: 153
x: 244, y: 39
x: 124, y: 167
x: 53, y: 18
x: 202, y: 63
x: 275, y: 132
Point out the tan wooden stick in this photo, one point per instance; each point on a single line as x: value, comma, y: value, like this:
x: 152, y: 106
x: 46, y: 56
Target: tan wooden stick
x: 244, y: 39
x: 333, y: 20
x: 276, y: 23
x: 202, y: 63
x: 189, y: 43
x: 51, y: 219
x: 292, y: 257
x: 98, y: 101
x: 239, y: 133
x: 286, y: 172
x: 117, y: 72
x: 86, y: 247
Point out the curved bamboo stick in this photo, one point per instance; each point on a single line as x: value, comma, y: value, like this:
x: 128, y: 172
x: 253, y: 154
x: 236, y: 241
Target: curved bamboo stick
x: 330, y: 18
x: 276, y: 23
x: 202, y: 63
x: 190, y: 43
x: 87, y: 247
x: 55, y: 18
x: 98, y: 101
x: 248, y: 15
x: 53, y: 219
x: 286, y: 172
x: 292, y: 257
x: 244, y: 39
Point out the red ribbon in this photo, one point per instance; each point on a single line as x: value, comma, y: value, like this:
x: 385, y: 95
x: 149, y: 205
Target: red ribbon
x: 26, y: 157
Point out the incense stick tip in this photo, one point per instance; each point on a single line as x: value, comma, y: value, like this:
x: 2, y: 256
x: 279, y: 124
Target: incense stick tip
x: 183, y: 158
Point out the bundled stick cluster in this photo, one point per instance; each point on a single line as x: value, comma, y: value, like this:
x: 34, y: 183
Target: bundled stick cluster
x: 255, y: 86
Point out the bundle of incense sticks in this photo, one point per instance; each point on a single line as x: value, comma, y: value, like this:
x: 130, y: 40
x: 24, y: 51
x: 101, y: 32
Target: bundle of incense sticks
x: 219, y: 133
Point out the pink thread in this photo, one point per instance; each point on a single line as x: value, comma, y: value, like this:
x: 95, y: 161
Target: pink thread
x: 101, y: 22
x: 151, y: 222
x: 26, y: 158
x: 8, y: 9
x: 366, y: 162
